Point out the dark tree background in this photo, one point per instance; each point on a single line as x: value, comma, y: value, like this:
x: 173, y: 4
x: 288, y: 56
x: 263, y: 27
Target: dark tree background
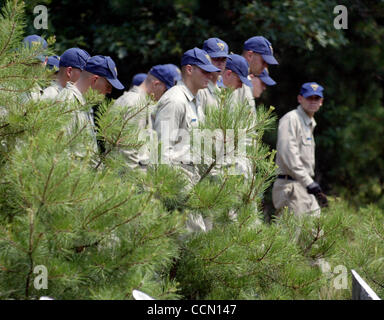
x: 348, y: 63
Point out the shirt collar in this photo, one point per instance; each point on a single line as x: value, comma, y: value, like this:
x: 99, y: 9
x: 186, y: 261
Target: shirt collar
x: 186, y: 91
x: 307, y: 120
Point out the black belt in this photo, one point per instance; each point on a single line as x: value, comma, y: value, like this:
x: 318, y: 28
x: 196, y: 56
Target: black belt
x: 285, y: 177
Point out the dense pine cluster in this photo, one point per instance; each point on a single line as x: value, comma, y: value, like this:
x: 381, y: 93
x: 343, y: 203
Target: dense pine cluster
x: 106, y: 230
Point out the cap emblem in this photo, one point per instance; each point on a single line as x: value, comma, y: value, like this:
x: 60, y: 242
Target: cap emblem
x: 270, y: 47
x: 314, y: 86
x: 208, y: 57
x: 221, y: 45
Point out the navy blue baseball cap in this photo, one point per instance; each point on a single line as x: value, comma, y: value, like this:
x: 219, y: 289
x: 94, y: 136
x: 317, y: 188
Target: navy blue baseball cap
x: 216, y: 48
x: 240, y: 66
x: 264, y: 76
x: 104, y: 66
x: 311, y: 89
x: 177, y: 72
x: 75, y: 58
x: 32, y: 40
x: 35, y: 39
x: 53, y: 62
x: 262, y: 46
x: 138, y: 79
x: 165, y: 73
x: 199, y: 58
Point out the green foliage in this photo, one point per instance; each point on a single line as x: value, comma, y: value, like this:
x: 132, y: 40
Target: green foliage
x: 102, y: 232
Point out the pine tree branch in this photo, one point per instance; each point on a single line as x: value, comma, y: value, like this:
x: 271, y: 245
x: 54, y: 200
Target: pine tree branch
x: 367, y: 275
x: 14, y: 244
x: 211, y: 259
x: 292, y: 286
x: 125, y: 222
x: 208, y: 170
x: 315, y: 238
x: 76, y: 135
x: 30, y: 250
x: 48, y: 180
x: 13, y: 28
x: 106, y: 211
x: 4, y: 126
x: 5, y: 269
x: 378, y: 233
x: 118, y: 138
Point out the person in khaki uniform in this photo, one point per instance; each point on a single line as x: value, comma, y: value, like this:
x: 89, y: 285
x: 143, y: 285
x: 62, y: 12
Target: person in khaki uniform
x: 140, y: 99
x: 176, y: 115
x: 138, y: 79
x: 53, y: 63
x: 295, y: 187
x: 217, y: 49
x: 100, y: 74
x: 234, y: 77
x: 258, y: 52
x: 260, y: 83
x: 71, y: 64
x: 30, y: 42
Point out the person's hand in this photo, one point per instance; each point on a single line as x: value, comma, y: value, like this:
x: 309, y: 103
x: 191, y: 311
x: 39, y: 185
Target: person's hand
x: 322, y: 199
x: 314, y: 188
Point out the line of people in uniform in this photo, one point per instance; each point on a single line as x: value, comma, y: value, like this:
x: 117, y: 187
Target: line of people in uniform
x: 178, y: 98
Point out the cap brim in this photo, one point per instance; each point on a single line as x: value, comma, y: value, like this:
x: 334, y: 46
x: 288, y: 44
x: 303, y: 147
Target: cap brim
x: 268, y: 81
x: 218, y: 54
x: 269, y: 59
x: 208, y: 67
x: 116, y: 83
x: 246, y: 81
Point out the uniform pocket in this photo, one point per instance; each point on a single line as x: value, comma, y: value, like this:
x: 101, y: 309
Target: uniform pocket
x: 307, y: 147
x: 191, y: 122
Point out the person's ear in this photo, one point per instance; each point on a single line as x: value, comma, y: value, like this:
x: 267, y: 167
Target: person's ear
x: 189, y: 68
x: 299, y: 98
x: 248, y: 55
x: 94, y: 79
x: 68, y: 71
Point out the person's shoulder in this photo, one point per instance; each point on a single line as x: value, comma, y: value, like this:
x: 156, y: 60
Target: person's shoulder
x: 66, y: 95
x: 174, y: 95
x: 50, y: 92
x: 128, y: 98
x: 290, y: 115
x: 202, y: 94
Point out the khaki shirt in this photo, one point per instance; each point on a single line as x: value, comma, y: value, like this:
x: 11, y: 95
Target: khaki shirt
x: 136, y: 97
x: 176, y: 114
x: 72, y: 95
x: 35, y: 94
x: 52, y: 91
x: 129, y: 103
x: 296, y: 146
x: 245, y: 94
x: 207, y: 97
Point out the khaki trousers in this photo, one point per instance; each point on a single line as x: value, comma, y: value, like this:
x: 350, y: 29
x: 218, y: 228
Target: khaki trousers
x: 291, y: 194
